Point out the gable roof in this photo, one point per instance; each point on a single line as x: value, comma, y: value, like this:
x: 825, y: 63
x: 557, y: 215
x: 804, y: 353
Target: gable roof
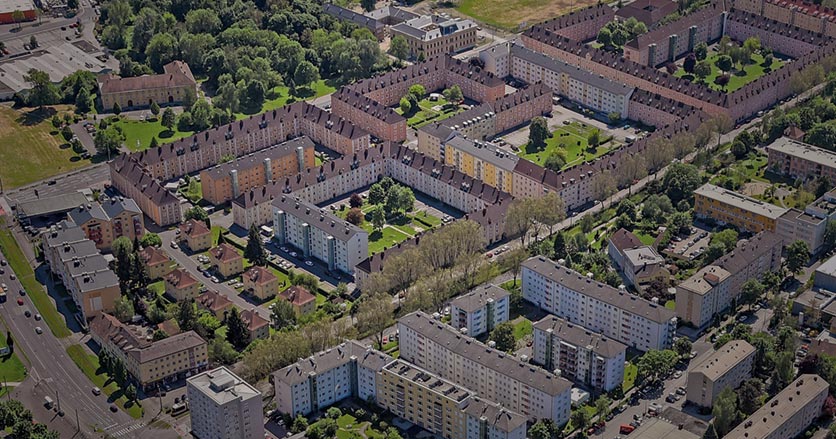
x: 153, y: 256
x: 176, y: 74
x: 180, y: 278
x: 252, y: 320
x: 259, y: 275
x: 623, y: 239
x: 194, y: 228
x: 225, y: 253
x: 213, y: 301
x: 297, y: 295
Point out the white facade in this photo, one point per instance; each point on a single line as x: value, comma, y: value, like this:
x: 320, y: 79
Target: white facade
x: 581, y: 355
x: 492, y: 374
x: 480, y: 310
x: 636, y: 322
x: 319, y: 234
x: 224, y: 406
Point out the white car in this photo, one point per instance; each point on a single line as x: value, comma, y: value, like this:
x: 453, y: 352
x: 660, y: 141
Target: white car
x: 309, y: 263
x: 38, y: 330
x: 173, y: 244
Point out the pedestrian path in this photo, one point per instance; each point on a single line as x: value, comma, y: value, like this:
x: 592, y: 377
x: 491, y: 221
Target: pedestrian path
x: 127, y: 429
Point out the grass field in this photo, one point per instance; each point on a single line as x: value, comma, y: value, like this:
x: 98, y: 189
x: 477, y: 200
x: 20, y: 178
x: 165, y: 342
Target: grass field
x: 34, y: 290
x: 572, y: 139
x: 427, y: 114
x: 630, y: 372
x: 511, y: 14
x: 737, y: 79
x: 350, y: 428
x: 138, y: 133
x: 11, y: 368
x: 522, y: 328
x: 89, y: 364
x: 28, y: 150
x: 281, y: 95
x: 396, y: 230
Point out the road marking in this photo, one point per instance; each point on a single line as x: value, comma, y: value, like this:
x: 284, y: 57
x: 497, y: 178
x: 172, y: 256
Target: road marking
x: 128, y: 429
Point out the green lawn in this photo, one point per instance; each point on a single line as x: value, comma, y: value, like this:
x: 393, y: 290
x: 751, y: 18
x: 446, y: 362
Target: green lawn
x: 522, y: 328
x: 193, y: 192
x: 630, y: 371
x: 513, y: 14
x: 280, y: 96
x: 396, y: 230
x: 386, y: 238
x: 29, y: 151
x: 142, y: 132
x: 11, y: 368
x: 350, y: 428
x: 670, y: 304
x: 572, y: 140
x: 427, y: 114
x: 89, y: 364
x: 645, y: 238
x: 737, y: 78
x: 157, y: 287
x: 34, y: 290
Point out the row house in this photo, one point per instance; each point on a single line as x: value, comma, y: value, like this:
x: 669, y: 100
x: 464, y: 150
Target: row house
x: 108, y: 220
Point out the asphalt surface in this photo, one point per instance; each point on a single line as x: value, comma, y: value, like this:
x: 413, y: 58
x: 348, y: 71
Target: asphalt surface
x: 85, y: 15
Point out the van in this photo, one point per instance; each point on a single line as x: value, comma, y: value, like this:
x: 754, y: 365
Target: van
x: 48, y: 402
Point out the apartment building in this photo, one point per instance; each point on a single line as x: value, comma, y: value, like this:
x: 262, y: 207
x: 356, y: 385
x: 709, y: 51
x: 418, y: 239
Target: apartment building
x: 328, y: 377
x: 226, y: 260
x: 649, y: 12
x: 495, y: 375
x: 150, y: 363
x: 319, y: 234
x: 223, y: 406
x: 106, y: 221
x: 260, y: 282
x: 377, y: 27
x: 613, y: 312
x: 568, y: 81
x: 372, y: 116
x: 481, y: 160
x: 423, y: 399
x: 480, y: 310
x: 487, y: 419
x: 216, y: 303
x: 300, y: 298
x: 800, y: 160
x: 227, y: 181
x: 788, y: 413
x: 83, y: 271
x: 729, y: 207
x: 428, y: 36
x: 180, y: 285
x: 728, y: 367
x: 638, y: 264
x: 167, y: 88
x: 810, y: 224
x: 196, y: 235
x: 806, y: 15
x: 711, y: 289
x: 258, y: 328
x: 580, y: 355
x: 156, y: 262
x: 132, y: 180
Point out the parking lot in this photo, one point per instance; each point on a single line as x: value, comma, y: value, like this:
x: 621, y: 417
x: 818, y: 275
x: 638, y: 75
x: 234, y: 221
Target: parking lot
x: 689, y: 247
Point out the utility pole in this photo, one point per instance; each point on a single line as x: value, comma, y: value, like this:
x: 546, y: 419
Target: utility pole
x: 77, y: 424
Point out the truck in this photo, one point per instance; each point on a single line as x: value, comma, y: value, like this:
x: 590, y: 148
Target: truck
x: 48, y: 402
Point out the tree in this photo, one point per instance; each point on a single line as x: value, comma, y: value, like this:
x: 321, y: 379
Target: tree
x: 702, y: 70
x: 682, y: 346
x: 724, y: 63
x: 282, y: 314
x: 418, y: 91
x: 515, y: 258
x: 503, y: 336
x: 123, y: 309
x: 655, y: 363
x: 108, y: 140
x: 830, y: 234
x: 82, y: 100
x: 604, y: 37
x: 680, y: 181
x: 784, y: 370
x: 602, y: 406
x: 797, y: 256
x: 752, y: 44
x: 354, y: 216
x: 254, y: 251
x: 10, y: 342
x: 538, y: 132
x: 749, y: 396
x: 555, y: 161
x: 168, y: 119
x: 453, y: 94
x: 399, y: 48
x: 186, y: 315
x: 539, y: 431
x: 405, y: 106
x: 130, y: 392
x: 579, y: 419
x: 356, y: 201
x: 67, y: 133
x: 701, y: 51
x: 725, y: 411
x: 305, y: 74
x: 197, y: 213
x: 377, y: 216
x: 594, y: 138
x: 253, y: 95
x: 299, y: 425
x: 377, y: 194
x: 309, y: 281
x: 151, y: 239
x: 43, y: 91
x: 236, y: 330
x: 689, y: 63
x: 751, y: 290
x: 727, y: 239
x: 222, y: 351
x: 603, y: 185
x: 375, y: 316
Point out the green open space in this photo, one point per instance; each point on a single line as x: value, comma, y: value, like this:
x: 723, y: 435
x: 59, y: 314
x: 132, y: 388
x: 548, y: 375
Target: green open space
x: 645, y: 238
x: 670, y: 304
x: 515, y: 14
x: 34, y: 290
x: 89, y: 364
x: 138, y: 133
x: 29, y: 151
x: 281, y: 95
x: 737, y: 78
x: 522, y: 328
x: 11, y: 368
x: 430, y: 111
x: 572, y: 140
x: 396, y: 230
x: 630, y: 372
x: 385, y: 238
x: 350, y: 428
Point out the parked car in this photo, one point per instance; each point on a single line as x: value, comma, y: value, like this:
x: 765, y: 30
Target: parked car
x: 38, y: 330
x: 97, y: 391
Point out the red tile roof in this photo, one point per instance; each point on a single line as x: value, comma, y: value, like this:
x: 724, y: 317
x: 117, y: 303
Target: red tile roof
x: 259, y: 275
x: 297, y: 295
x: 176, y: 74
x: 153, y: 256
x: 180, y: 278
x: 253, y: 320
x: 213, y: 301
x: 225, y: 253
x: 194, y: 228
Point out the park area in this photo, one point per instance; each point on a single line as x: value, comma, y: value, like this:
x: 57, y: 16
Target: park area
x: 395, y: 230
x: 515, y: 14
x: 737, y: 78
x: 31, y: 149
x: 429, y: 111
x: 573, y: 141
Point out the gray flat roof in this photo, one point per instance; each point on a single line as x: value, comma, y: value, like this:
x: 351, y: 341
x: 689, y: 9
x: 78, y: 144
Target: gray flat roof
x: 497, y: 416
x: 485, y: 151
x: 478, y: 297
x: 741, y: 201
x: 222, y: 386
x: 428, y: 380
x: 329, y: 359
x: 257, y: 158
x: 51, y: 205
x: 804, y: 151
x: 319, y: 218
x: 655, y: 428
x: 580, y: 336
x: 602, y: 292
x: 828, y: 267
x: 724, y: 359
x: 57, y: 61
x: 96, y: 280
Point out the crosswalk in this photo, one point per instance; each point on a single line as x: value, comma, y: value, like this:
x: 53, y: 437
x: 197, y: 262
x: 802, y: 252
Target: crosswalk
x: 127, y: 429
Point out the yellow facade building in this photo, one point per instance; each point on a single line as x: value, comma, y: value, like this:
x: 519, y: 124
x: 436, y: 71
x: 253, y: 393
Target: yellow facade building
x: 729, y: 207
x: 481, y: 160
